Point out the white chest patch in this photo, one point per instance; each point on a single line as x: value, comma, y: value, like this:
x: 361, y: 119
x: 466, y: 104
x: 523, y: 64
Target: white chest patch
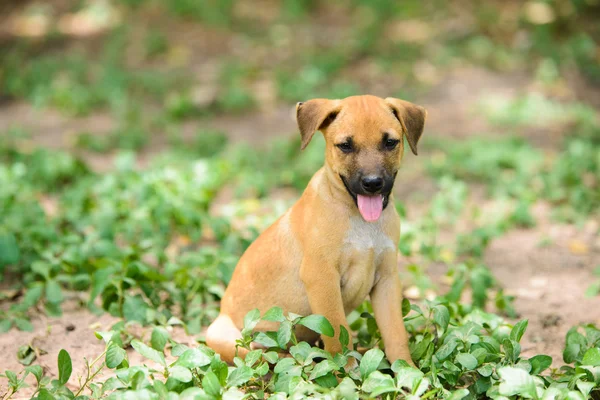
x: 364, y: 235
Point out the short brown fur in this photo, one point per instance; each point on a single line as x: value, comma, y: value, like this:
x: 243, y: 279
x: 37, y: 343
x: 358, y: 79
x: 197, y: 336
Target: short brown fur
x: 320, y: 257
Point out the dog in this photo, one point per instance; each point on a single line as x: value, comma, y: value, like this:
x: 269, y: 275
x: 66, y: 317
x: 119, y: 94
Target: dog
x: 339, y: 243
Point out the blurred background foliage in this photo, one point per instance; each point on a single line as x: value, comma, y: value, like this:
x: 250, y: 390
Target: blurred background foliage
x: 151, y: 76
x: 139, y: 83
x: 193, y: 58
x: 136, y: 164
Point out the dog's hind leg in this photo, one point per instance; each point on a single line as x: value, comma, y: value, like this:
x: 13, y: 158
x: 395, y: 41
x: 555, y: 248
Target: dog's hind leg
x: 221, y: 336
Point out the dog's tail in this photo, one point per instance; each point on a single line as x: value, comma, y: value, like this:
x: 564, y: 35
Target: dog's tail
x: 221, y: 336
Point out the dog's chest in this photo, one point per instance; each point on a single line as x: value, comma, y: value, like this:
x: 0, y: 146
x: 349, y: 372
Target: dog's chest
x: 367, y: 236
x: 362, y: 250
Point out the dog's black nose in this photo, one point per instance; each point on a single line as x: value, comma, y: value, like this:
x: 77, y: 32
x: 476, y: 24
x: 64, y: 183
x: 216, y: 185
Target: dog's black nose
x: 372, y: 184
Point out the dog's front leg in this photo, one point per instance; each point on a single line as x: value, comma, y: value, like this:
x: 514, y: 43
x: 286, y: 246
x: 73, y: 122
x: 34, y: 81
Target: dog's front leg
x: 322, y: 283
x: 386, y: 298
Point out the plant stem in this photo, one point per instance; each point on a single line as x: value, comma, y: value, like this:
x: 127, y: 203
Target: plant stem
x: 89, y: 378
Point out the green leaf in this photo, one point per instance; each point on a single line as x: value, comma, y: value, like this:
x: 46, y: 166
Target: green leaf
x: 271, y: 357
x: 159, y: 338
x: 344, y: 336
x: 409, y: 377
x: 485, y: 370
x: 251, y: 320
x: 399, y: 364
x: 284, y: 334
x: 180, y: 373
x: 573, y: 336
x: 317, y: 323
x: 107, y: 337
x: 441, y: 316
x: 12, y: 378
x: 266, y: 340
x: 284, y: 365
x: 322, y: 368
x: 5, y: 325
x: 53, y: 292
x: 211, y: 384
x: 36, y: 371
x: 160, y: 389
x: 274, y: 314
x: 585, y: 387
x: 420, y: 349
x: 65, y: 367
x: 591, y: 357
x: 148, y: 352
x: 512, y: 350
x: 114, y: 355
x: 347, y: 388
x: 405, y: 307
x: 134, y: 308
x: 446, y: 349
x: 9, y: 250
x: 340, y: 360
x: 32, y: 296
x: 100, y: 280
x: 468, y: 361
x: 262, y: 369
x: 377, y: 384
x: 518, y: 330
x: 23, y: 324
x: 193, y: 358
x: 482, y: 385
x: 328, y: 381
x: 44, y: 394
x: 301, y: 351
x: 239, y: 376
x: 252, y: 357
x: 370, y: 362
x: 178, y: 349
x: 571, y: 352
x: 41, y: 268
x: 458, y: 394
x: 540, y: 363
x: 516, y: 381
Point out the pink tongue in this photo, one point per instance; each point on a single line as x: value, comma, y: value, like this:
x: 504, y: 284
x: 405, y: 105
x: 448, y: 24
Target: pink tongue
x: 370, y: 207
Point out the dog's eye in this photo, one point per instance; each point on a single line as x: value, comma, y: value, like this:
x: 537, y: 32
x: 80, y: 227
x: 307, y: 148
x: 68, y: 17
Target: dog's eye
x: 390, y: 144
x: 346, y: 147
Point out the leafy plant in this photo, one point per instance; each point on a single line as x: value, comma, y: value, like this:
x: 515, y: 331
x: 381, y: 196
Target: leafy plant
x: 460, y: 355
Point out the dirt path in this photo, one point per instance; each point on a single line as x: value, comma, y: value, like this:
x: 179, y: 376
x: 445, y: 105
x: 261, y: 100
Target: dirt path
x: 549, y: 280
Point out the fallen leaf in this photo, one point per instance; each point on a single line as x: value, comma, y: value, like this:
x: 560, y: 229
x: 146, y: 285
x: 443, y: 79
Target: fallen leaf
x: 26, y: 355
x: 578, y: 247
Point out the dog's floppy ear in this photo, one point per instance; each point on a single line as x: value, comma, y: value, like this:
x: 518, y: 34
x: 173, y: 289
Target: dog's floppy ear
x: 314, y: 115
x: 412, y: 118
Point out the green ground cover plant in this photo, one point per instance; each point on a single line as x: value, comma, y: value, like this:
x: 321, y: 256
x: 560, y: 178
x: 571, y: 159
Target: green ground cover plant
x: 145, y: 246
x: 112, y: 236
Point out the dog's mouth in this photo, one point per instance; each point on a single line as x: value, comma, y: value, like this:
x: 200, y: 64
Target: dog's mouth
x: 370, y: 206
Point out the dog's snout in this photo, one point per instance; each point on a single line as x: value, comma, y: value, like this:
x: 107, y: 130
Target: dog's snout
x: 372, y: 184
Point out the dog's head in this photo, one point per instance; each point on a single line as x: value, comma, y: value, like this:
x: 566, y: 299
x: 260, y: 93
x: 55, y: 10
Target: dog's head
x: 364, y: 142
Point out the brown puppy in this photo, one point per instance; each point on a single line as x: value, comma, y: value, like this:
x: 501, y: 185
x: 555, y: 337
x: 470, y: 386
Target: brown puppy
x: 339, y: 242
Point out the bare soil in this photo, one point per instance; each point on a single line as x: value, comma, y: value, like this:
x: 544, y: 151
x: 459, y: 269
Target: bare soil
x: 547, y: 267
